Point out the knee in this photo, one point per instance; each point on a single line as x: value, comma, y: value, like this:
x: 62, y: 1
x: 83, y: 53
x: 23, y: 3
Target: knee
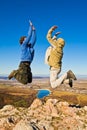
x: 53, y: 85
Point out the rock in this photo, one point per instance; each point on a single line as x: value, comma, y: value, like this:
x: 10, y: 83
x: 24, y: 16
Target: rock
x: 23, y: 125
x: 7, y: 108
x: 48, y: 115
x: 36, y: 103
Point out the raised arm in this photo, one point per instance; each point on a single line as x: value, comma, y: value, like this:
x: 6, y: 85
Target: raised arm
x: 33, y: 38
x: 49, y: 35
x: 27, y: 39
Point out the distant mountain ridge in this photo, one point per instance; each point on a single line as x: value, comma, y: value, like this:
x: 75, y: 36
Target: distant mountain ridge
x: 35, y: 77
x: 40, y: 77
x: 4, y: 77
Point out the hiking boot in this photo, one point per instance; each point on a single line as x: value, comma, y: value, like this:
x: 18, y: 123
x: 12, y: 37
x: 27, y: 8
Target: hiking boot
x: 70, y: 82
x: 11, y: 75
x: 70, y: 74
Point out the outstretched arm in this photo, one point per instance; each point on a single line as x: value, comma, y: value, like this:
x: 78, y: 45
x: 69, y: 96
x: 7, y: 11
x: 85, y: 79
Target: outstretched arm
x: 33, y: 38
x: 49, y: 36
x: 27, y: 39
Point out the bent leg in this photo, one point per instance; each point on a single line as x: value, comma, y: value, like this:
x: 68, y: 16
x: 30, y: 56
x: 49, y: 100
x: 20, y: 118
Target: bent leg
x: 12, y: 74
x: 24, y: 74
x: 54, y: 80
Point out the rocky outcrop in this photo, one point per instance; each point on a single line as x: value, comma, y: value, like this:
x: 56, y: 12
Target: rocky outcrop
x: 41, y: 115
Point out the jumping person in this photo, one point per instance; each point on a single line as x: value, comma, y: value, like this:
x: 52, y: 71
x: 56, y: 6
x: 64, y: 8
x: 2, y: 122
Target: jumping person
x: 53, y: 58
x: 23, y: 74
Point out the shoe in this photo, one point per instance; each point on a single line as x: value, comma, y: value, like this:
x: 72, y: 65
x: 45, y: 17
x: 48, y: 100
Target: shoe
x: 11, y: 74
x: 70, y: 74
x: 70, y: 82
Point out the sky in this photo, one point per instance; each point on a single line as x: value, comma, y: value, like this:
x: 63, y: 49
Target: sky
x: 69, y: 15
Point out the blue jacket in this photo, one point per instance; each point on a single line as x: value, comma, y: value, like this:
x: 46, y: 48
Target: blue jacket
x: 27, y: 50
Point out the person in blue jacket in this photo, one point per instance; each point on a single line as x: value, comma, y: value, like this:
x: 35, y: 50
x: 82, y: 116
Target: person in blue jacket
x: 23, y: 74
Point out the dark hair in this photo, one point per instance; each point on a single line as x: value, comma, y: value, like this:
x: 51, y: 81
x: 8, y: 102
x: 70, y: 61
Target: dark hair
x: 22, y: 39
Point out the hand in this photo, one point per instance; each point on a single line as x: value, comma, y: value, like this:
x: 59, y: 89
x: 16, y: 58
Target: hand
x: 54, y: 27
x: 57, y: 33
x: 33, y: 28
x: 30, y: 23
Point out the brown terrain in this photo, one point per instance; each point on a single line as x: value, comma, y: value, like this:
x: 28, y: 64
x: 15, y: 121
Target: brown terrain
x: 13, y: 92
x: 64, y: 108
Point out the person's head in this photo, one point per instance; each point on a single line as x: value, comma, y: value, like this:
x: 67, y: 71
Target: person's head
x: 22, y: 39
x: 60, y: 42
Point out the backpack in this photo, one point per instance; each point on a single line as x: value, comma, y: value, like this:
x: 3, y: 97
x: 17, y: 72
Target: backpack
x: 47, y: 54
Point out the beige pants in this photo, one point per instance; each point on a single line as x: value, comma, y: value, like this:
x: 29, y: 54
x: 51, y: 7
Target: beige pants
x: 55, y: 80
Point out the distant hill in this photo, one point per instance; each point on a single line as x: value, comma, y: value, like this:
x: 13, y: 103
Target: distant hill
x: 40, y: 77
x: 35, y: 77
x: 4, y: 77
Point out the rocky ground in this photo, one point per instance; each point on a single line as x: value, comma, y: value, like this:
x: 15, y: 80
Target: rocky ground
x: 64, y: 109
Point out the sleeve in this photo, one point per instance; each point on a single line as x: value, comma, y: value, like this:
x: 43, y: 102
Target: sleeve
x: 33, y: 39
x: 26, y: 41
x: 32, y: 53
x: 49, y: 37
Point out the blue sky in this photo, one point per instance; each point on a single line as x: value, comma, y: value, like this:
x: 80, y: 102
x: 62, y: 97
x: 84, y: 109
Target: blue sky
x: 69, y: 15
